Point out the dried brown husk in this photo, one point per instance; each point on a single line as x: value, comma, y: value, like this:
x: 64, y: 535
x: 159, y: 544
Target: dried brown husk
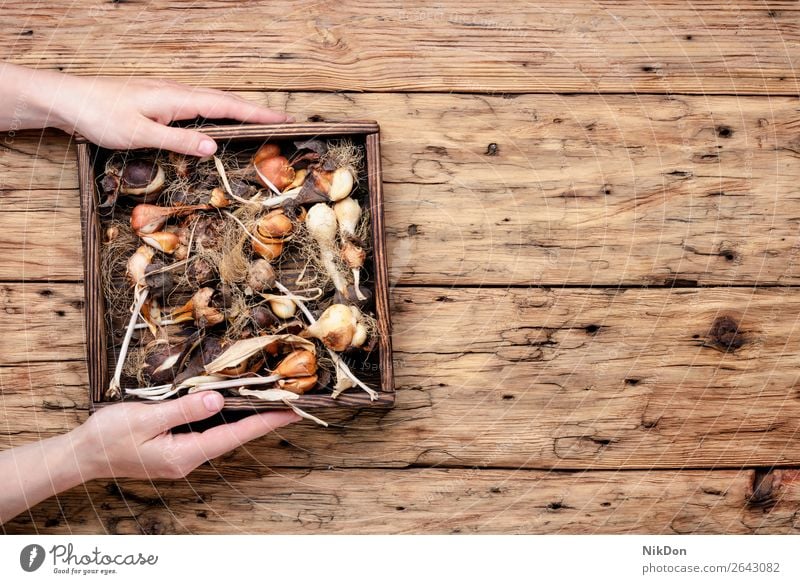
x: 272, y: 394
x: 206, y: 349
x: 246, y: 348
x: 162, y: 361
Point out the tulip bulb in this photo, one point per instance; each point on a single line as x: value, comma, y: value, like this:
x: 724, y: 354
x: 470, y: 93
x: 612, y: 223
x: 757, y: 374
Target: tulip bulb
x: 137, y: 264
x: 269, y: 249
x: 348, y: 214
x: 341, y: 184
x: 162, y: 241
x: 360, y: 336
x: 336, y: 327
x: 260, y: 275
x: 266, y: 151
x: 200, y: 272
x: 158, y: 279
x: 321, y: 224
x: 298, y: 384
x: 281, y: 306
x: 298, y: 363
x: 147, y: 218
x: 198, y: 309
x: 142, y: 178
x: 263, y: 317
x: 219, y: 199
x: 159, y: 366
x: 271, y: 168
x: 111, y: 234
x: 354, y: 257
x: 299, y: 179
x: 274, y: 224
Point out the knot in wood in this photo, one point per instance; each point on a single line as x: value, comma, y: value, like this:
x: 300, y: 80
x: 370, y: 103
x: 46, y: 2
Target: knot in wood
x: 764, y: 493
x: 726, y: 335
x: 724, y: 131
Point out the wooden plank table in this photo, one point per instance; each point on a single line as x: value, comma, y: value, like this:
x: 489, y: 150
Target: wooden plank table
x: 593, y: 219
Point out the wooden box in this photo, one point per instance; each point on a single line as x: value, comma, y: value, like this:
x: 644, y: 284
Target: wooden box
x: 376, y: 370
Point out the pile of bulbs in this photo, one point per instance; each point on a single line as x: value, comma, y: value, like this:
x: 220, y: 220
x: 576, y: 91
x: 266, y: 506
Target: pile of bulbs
x: 218, y: 241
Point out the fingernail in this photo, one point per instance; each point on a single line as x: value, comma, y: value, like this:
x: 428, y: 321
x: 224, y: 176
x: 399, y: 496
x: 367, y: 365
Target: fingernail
x: 290, y: 119
x: 212, y: 401
x: 207, y: 148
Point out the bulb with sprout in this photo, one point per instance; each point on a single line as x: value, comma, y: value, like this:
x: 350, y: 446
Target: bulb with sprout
x: 348, y: 214
x: 136, y: 270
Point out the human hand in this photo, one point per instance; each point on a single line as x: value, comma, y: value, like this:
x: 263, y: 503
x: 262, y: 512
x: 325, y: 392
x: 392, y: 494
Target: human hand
x: 121, y: 113
x: 133, y: 440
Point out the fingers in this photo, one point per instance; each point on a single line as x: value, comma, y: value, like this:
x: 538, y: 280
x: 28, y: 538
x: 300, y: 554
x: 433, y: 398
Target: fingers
x: 170, y: 102
x: 221, y: 439
x: 181, y: 140
x: 210, y: 103
x: 190, y: 408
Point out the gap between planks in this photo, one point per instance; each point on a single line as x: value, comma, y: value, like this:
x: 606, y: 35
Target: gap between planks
x: 540, y: 469
x: 510, y: 286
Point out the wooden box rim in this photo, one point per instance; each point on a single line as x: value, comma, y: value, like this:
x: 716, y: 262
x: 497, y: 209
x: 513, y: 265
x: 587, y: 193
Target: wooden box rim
x: 95, y: 306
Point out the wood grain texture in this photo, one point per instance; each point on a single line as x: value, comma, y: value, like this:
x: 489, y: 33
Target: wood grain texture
x: 40, y: 235
x: 43, y: 323
x: 41, y: 399
x: 570, y: 379
x: 456, y: 45
x: 635, y: 190
x: 428, y: 501
x: 500, y: 179
x: 33, y: 161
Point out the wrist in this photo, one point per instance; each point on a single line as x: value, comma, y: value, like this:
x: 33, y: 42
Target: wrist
x: 31, y: 95
x: 50, y: 100
x: 82, y: 449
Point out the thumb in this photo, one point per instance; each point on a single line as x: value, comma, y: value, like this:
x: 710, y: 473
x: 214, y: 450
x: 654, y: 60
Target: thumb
x: 190, y: 408
x: 181, y: 140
